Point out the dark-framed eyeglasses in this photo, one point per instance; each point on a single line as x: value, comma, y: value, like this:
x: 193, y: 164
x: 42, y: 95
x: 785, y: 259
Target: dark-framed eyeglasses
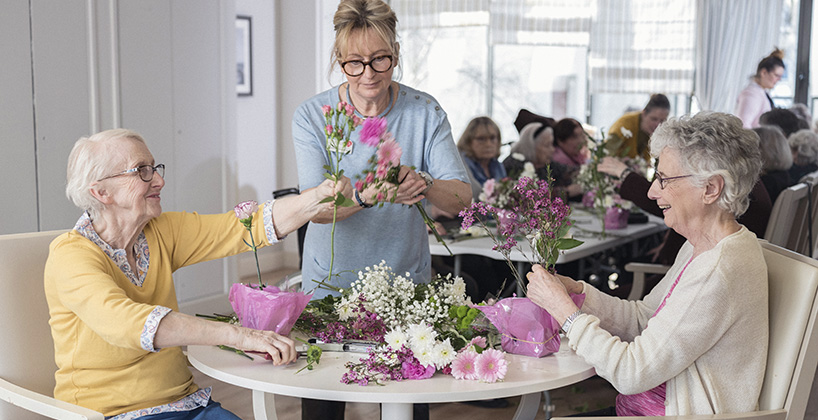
x: 663, y: 180
x: 355, y: 68
x: 145, y: 172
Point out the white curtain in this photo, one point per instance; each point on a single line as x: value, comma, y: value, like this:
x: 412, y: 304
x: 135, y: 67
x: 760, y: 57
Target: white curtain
x: 642, y: 46
x: 733, y: 36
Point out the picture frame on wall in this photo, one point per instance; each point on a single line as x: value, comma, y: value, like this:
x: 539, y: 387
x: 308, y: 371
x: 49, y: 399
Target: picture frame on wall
x: 244, y: 56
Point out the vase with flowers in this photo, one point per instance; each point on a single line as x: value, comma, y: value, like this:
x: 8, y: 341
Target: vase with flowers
x: 260, y: 306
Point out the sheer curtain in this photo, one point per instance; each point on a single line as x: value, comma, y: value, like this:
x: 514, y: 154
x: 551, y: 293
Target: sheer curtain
x: 642, y: 46
x: 733, y: 36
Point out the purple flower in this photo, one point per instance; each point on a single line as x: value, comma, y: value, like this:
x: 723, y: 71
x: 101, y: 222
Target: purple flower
x: 415, y: 370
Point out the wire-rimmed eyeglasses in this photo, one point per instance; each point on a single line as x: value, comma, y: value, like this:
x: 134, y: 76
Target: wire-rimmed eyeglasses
x: 663, y: 180
x: 145, y: 172
x: 355, y: 68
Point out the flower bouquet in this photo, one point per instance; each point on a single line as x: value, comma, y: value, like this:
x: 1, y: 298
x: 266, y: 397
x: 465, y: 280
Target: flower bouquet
x: 384, y: 168
x: 260, y: 306
x: 416, y: 329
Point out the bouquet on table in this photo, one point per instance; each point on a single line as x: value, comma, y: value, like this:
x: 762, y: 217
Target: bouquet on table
x: 414, y: 330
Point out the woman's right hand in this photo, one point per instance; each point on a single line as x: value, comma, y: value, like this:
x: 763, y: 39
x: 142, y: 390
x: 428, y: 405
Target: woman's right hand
x: 611, y: 166
x: 280, y: 348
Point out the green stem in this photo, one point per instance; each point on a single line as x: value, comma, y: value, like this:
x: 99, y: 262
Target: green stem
x: 255, y: 254
x: 332, y: 243
x: 431, y: 223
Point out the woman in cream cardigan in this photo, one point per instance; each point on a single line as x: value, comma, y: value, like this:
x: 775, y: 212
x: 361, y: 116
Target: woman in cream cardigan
x: 697, y: 343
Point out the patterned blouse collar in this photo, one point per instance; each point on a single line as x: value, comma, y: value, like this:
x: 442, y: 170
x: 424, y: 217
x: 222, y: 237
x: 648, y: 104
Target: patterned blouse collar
x: 85, y: 228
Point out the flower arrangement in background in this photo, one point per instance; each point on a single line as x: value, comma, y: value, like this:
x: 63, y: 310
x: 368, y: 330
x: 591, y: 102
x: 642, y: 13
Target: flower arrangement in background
x: 533, y: 213
x: 245, y: 211
x: 384, y: 168
x: 416, y: 329
x: 341, y: 122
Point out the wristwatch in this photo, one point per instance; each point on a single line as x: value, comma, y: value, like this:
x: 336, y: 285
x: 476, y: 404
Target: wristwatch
x: 567, y: 324
x: 429, y: 181
x: 361, y: 202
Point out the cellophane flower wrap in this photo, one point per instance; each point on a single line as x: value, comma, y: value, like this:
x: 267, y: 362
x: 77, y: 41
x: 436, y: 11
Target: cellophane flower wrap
x: 526, y: 328
x: 269, y: 309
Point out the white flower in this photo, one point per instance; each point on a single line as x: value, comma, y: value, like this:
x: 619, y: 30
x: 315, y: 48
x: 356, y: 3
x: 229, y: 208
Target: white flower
x: 608, y: 201
x: 425, y: 355
x: 421, y: 335
x: 396, y: 338
x: 443, y: 354
x: 625, y: 132
x: 529, y: 171
x: 518, y: 156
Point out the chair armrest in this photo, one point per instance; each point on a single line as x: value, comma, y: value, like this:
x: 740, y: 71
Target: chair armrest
x: 639, y: 270
x: 755, y: 415
x: 44, y: 405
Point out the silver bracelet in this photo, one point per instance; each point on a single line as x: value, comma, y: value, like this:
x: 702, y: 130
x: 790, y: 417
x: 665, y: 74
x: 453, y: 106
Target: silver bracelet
x: 570, y: 320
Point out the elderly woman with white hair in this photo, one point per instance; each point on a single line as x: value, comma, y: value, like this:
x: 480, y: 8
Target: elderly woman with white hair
x: 804, y: 149
x: 536, y: 145
x: 115, y: 320
x: 697, y: 343
x: 776, y: 160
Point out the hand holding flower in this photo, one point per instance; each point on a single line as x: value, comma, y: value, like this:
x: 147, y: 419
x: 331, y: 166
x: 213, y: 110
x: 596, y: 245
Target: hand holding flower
x: 411, y: 186
x: 550, y: 293
x: 611, y: 166
x: 280, y: 348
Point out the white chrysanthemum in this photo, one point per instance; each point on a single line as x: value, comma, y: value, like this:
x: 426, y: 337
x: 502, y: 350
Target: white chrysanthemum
x: 421, y: 335
x: 396, y: 338
x: 608, y: 202
x: 625, y: 132
x: 443, y: 353
x: 625, y: 204
x: 424, y: 354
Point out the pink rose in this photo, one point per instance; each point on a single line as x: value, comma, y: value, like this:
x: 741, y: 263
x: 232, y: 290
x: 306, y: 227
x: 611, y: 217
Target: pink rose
x: 246, y: 209
x: 359, y: 185
x: 341, y: 106
x: 326, y: 109
x: 329, y: 129
x: 356, y: 120
x: 370, y: 178
x: 349, y: 110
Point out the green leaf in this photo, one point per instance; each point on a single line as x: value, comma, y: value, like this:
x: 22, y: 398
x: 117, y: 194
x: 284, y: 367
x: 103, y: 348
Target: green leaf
x: 346, y: 202
x: 329, y: 177
x: 563, y: 230
x: 568, y: 243
x: 327, y: 200
x: 327, y: 168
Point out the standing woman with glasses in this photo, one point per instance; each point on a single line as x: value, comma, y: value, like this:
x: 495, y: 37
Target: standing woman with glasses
x: 367, y: 52
x: 755, y: 99
x: 115, y: 319
x: 697, y: 343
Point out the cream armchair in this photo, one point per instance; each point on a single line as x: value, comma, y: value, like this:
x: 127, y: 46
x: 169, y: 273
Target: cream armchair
x: 793, y: 354
x: 26, y: 348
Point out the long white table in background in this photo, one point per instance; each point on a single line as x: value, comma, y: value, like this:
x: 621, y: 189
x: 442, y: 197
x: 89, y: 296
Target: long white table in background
x: 587, y: 228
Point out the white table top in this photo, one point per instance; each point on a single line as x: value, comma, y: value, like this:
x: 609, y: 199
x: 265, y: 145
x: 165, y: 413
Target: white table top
x: 525, y: 375
x: 584, y: 221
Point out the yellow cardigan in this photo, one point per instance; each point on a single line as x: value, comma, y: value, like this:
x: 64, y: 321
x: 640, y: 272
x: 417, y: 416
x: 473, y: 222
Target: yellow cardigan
x: 97, y: 314
x: 618, y: 144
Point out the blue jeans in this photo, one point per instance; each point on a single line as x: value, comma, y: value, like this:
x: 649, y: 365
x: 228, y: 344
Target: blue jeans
x: 212, y: 411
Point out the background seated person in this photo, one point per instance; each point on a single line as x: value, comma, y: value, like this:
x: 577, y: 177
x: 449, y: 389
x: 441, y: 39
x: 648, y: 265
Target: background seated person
x: 804, y: 148
x: 697, y: 344
x: 109, y: 283
x: 525, y: 117
x: 630, y: 134
x: 784, y: 119
x: 479, y: 147
x: 536, y: 145
x: 571, y: 143
x: 776, y: 160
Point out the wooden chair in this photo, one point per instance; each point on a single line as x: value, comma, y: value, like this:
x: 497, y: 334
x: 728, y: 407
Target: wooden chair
x: 26, y: 348
x: 793, y: 351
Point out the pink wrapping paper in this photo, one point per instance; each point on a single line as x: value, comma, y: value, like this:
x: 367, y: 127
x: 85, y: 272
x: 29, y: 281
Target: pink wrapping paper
x: 526, y: 328
x: 269, y: 309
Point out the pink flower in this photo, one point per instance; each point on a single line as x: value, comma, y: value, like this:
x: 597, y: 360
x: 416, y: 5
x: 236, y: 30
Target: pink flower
x: 488, y: 187
x: 370, y: 178
x: 372, y: 130
x: 478, y: 341
x: 328, y: 129
x: 349, y: 110
x: 357, y: 121
x: 359, y: 185
x: 381, y: 171
x: 415, y: 370
x: 246, y: 209
x: 389, y: 151
x: 341, y: 106
x: 326, y: 109
x: 463, y: 366
x: 491, y: 366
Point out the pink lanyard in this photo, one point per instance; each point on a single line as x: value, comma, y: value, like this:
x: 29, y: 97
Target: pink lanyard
x: 673, y: 286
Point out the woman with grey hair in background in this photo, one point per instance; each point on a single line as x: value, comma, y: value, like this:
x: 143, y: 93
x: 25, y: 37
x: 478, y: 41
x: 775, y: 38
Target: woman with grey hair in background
x: 697, y: 343
x: 804, y: 149
x: 536, y: 145
x: 776, y: 160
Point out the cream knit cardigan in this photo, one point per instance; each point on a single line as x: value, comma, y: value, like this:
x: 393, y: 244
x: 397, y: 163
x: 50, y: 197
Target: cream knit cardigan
x: 709, y: 342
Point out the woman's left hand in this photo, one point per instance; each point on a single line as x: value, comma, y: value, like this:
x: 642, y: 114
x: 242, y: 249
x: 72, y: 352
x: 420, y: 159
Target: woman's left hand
x: 549, y: 292
x: 410, y: 186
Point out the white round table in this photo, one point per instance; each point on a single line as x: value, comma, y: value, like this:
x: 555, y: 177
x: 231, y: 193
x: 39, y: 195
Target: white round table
x: 526, y: 376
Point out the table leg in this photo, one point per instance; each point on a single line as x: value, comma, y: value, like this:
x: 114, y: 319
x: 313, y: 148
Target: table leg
x: 396, y: 411
x: 264, y: 405
x: 458, y: 265
x: 529, y: 406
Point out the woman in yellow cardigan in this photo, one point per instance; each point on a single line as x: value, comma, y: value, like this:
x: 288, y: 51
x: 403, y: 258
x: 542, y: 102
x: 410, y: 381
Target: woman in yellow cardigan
x: 109, y: 285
